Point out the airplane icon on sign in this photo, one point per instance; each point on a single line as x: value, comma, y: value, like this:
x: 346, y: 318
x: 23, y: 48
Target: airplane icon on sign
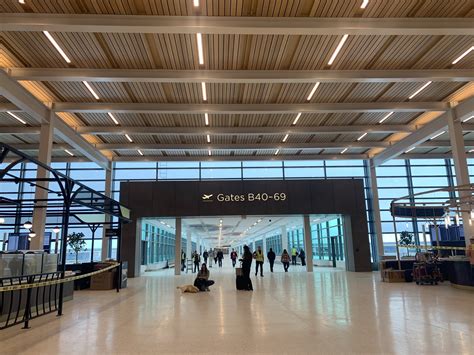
x: 206, y: 197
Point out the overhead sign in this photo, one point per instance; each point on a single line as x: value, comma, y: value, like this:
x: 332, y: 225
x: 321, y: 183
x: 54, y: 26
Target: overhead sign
x: 111, y: 232
x: 247, y: 197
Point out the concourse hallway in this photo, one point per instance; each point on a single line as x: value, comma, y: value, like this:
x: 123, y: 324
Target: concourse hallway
x: 328, y: 311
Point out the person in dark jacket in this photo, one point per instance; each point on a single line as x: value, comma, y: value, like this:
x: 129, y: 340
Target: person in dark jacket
x: 246, y: 267
x: 205, y: 255
x: 220, y: 256
x: 271, y: 258
x: 202, y: 281
x: 233, y: 257
x: 285, y: 260
x: 302, y: 256
x: 197, y: 260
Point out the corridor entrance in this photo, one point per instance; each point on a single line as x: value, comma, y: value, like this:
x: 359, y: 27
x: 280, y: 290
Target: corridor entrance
x: 325, y: 218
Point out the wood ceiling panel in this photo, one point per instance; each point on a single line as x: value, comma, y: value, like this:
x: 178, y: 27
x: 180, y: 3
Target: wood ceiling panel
x: 78, y: 92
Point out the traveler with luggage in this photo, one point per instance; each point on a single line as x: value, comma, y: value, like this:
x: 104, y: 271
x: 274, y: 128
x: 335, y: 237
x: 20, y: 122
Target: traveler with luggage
x: 243, y: 281
x: 197, y: 260
x: 202, y: 281
x: 302, y: 256
x: 285, y: 260
x: 294, y: 254
x: 233, y: 257
x: 259, y: 259
x: 271, y: 258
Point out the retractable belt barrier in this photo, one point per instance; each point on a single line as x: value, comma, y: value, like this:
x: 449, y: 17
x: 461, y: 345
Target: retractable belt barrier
x: 412, y: 246
x: 53, y: 282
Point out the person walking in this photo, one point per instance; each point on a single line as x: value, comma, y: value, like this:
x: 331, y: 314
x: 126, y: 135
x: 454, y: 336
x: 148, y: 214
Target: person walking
x: 197, y: 260
x: 246, y: 267
x: 202, y: 281
x: 294, y: 254
x: 285, y: 260
x: 183, y: 260
x: 220, y: 256
x: 233, y: 257
x: 259, y: 259
x: 205, y: 255
x: 271, y: 258
x: 302, y: 256
x: 215, y: 256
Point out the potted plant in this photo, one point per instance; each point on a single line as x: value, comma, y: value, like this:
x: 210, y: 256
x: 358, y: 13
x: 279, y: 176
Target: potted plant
x: 77, y: 243
x: 406, y: 239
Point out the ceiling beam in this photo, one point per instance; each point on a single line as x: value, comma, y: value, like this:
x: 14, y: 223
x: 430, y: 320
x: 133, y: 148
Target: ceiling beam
x: 239, y: 76
x: 25, y: 22
x: 463, y: 110
x: 100, y: 107
x: 23, y: 99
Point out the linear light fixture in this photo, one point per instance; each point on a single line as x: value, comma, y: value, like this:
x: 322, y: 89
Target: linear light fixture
x: 468, y: 119
x: 362, y: 136
x: 56, y: 45
x: 15, y: 116
x: 113, y: 118
x: 67, y: 151
x: 338, y: 49
x: 385, y: 117
x: 140, y: 152
x: 208, y: 138
x: 91, y: 90
x: 200, y: 51
x: 463, y: 55
x: 364, y: 4
x: 22, y: 2
x: 344, y: 150
x: 437, y: 135
x: 209, y: 152
x: 296, y: 118
x: 196, y: 3
x: 285, y: 138
x: 470, y: 150
x: 409, y: 150
x: 277, y: 151
x: 206, y: 119
x: 204, y: 92
x: 313, y: 90
x: 419, y: 90
x: 129, y: 139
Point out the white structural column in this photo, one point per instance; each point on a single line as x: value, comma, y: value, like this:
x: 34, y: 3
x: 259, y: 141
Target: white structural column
x: 460, y: 166
x: 189, y: 244
x: 177, y: 246
x: 41, y: 192
x: 284, y: 239
x: 308, y: 244
x: 107, y: 218
x: 376, y: 211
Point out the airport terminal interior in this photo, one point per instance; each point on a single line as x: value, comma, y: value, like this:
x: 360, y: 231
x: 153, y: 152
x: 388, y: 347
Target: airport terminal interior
x: 236, y: 176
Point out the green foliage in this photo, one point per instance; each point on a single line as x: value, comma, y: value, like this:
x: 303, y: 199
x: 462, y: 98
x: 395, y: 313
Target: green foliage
x: 77, y: 243
x: 406, y: 238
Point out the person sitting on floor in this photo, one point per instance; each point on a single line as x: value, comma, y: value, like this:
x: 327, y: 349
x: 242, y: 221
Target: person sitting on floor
x: 202, y: 281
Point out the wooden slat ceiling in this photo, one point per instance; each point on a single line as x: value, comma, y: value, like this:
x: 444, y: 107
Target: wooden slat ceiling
x: 234, y: 52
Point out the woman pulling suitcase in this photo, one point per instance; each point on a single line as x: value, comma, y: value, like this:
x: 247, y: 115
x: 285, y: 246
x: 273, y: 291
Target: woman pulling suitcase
x: 243, y: 281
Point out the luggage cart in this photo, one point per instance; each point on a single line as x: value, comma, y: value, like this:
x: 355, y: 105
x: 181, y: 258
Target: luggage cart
x: 426, y: 269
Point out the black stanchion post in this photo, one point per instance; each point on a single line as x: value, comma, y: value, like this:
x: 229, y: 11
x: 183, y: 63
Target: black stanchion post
x: 27, y: 314
x: 66, y: 211
x: 119, y: 277
x: 333, y: 251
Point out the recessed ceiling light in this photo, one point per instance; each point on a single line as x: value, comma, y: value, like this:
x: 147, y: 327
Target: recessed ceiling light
x: 200, y: 51
x: 113, y: 118
x: 385, y: 117
x: 364, y: 4
x: 463, y: 55
x: 338, y: 49
x: 15, y: 116
x: 313, y: 90
x: 419, y: 90
x: 129, y: 139
x: 56, y: 45
x: 362, y: 136
x: 196, y: 3
x: 91, y: 90
x: 208, y: 138
x: 297, y: 118
x: 277, y: 151
x: 139, y: 152
x: 209, y: 152
x: 285, y: 138
x: 204, y: 92
x: 437, y: 135
x: 67, y: 151
x: 468, y: 119
x: 206, y: 119
x: 409, y: 150
x: 344, y: 150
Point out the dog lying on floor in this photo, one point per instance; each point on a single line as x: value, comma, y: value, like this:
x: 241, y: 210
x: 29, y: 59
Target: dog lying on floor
x: 188, y: 288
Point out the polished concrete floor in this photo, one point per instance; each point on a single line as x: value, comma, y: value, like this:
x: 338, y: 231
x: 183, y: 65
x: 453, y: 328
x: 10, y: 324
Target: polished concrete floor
x: 326, y: 312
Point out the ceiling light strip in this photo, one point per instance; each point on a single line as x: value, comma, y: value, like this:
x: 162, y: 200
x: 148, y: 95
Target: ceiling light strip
x: 437, y: 135
x: 113, y: 118
x: 313, y: 90
x: 409, y: 150
x: 344, y: 150
x: 362, y: 136
x: 206, y: 119
x: 385, y: 117
x: 129, y: 139
x: 208, y: 138
x: 419, y: 90
x: 297, y: 118
x: 285, y: 138
x: 338, y: 49
x: 91, y: 90
x: 204, y: 92
x: 277, y: 151
x: 15, y: 116
x: 463, y: 55
x: 364, y: 4
x: 56, y: 45
x: 468, y: 119
x: 209, y: 152
x: 140, y: 152
x: 196, y: 3
x: 67, y: 151
x: 200, y: 51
